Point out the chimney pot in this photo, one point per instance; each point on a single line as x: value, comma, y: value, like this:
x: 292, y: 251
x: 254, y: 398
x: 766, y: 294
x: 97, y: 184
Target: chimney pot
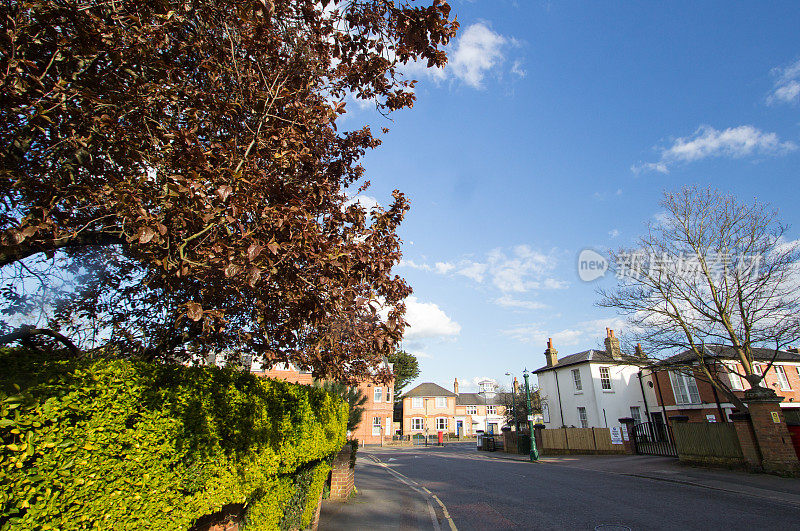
x: 455, y: 386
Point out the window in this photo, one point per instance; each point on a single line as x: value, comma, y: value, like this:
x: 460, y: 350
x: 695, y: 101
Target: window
x: 441, y: 423
x: 782, y: 379
x: 758, y: 369
x: 491, y: 410
x: 576, y: 377
x: 378, y: 394
x: 472, y: 410
x: 685, y: 388
x: 582, y: 417
x: 605, y: 379
x: 636, y: 415
x: 376, y: 422
x: 545, y: 412
x: 416, y: 402
x: 441, y: 402
x: 416, y: 423
x: 735, y: 379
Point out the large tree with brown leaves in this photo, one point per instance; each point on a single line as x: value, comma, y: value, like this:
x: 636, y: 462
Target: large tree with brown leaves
x: 181, y: 160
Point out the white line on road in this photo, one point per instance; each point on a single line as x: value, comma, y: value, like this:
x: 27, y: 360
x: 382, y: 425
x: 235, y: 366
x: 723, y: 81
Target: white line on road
x: 416, y: 487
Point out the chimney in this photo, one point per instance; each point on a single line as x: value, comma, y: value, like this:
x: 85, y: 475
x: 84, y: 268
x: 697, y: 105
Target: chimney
x: 516, y: 386
x: 640, y: 351
x: 612, y: 345
x: 551, y: 354
x: 455, y: 386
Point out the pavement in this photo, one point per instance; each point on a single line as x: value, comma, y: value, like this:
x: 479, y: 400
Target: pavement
x: 388, y: 499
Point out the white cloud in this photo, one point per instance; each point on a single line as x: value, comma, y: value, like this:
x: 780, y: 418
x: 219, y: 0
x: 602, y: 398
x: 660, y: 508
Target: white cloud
x: 584, y: 335
x: 516, y: 271
x: 477, y: 52
x: 517, y: 69
x: 507, y: 301
x: 787, y: 84
x: 365, y: 201
x: 444, y: 267
x: 707, y: 142
x: 613, y: 233
x: 473, y: 270
x: 427, y: 320
x: 414, y: 265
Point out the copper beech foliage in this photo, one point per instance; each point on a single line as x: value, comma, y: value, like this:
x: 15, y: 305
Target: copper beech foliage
x: 185, y: 155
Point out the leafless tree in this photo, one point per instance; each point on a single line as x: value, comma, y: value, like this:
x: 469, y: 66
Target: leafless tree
x: 711, y: 273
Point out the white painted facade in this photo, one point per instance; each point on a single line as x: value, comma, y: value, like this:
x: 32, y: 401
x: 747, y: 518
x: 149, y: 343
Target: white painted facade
x: 602, y: 407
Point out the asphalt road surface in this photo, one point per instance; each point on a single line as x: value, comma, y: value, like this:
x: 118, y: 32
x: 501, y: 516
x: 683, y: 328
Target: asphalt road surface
x: 477, y: 492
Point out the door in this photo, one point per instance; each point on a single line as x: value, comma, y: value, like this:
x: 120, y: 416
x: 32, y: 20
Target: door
x: 459, y: 427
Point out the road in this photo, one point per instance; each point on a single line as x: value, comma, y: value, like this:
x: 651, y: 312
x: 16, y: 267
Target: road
x: 478, y: 492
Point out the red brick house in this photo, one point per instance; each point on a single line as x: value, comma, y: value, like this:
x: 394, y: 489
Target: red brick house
x: 680, y: 392
x: 377, y: 418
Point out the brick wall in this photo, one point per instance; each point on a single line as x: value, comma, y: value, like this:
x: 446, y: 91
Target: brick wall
x: 342, y: 475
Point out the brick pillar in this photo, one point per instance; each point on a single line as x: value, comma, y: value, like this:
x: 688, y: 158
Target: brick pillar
x: 342, y: 476
x: 769, y: 425
x: 627, y: 423
x: 747, y: 440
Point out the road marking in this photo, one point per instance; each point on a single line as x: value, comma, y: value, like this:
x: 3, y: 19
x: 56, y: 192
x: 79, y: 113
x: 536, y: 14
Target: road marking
x: 416, y: 487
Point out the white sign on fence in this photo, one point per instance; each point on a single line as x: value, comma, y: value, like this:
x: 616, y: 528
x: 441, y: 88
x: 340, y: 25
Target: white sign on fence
x: 616, y: 435
x: 624, y: 432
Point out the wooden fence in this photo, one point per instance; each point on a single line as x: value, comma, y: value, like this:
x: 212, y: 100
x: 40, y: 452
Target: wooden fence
x: 578, y: 441
x: 707, y: 442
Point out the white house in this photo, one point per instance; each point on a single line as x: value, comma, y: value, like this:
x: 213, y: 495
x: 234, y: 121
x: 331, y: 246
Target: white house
x: 594, y: 388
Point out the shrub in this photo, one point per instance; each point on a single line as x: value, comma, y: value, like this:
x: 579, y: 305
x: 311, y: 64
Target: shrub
x: 130, y: 445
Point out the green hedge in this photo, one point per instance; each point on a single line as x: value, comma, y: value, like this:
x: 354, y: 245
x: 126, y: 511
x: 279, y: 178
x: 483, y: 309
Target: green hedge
x: 129, y: 445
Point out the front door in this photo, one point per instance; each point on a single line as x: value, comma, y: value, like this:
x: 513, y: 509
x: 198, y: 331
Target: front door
x: 459, y: 427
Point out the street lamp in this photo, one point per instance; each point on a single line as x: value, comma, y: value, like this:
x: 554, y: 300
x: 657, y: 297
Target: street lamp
x: 513, y: 401
x: 485, y: 412
x: 534, y: 451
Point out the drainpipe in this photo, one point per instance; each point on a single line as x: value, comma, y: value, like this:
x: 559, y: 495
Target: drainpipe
x: 664, y: 409
x: 558, y: 389
x: 644, y: 397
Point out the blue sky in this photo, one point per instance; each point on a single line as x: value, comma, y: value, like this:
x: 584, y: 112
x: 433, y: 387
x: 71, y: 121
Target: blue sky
x: 555, y: 127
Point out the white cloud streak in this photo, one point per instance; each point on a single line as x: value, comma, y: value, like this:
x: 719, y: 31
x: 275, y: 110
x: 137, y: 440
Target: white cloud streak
x: 587, y: 334
x: 787, y: 84
x: 517, y: 270
x: 707, y: 142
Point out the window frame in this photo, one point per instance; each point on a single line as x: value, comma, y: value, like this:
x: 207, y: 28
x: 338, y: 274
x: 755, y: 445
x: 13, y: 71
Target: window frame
x: 441, y: 402
x: 414, y: 422
x: 471, y: 410
x: 491, y: 409
x: 637, y: 416
x: 734, y: 379
x: 605, y: 379
x: 576, y: 380
x: 582, y: 417
x: 417, y: 402
x: 438, y: 427
x: 379, y: 424
x: 377, y: 394
x: 684, y: 382
x: 783, y: 378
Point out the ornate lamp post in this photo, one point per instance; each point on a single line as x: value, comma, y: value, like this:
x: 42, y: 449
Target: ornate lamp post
x: 534, y: 451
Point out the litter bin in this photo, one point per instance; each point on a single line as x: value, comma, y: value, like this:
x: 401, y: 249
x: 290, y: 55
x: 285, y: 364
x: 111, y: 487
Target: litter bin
x: 490, y: 444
